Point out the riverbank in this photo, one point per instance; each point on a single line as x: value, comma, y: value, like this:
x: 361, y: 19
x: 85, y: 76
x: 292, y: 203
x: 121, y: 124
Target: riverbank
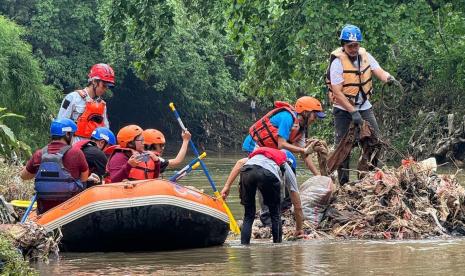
x: 11, y: 259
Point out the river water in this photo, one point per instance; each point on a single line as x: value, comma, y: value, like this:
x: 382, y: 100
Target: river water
x: 426, y: 257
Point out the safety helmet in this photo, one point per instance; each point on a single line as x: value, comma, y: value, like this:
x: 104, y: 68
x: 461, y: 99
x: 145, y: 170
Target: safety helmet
x: 153, y: 136
x: 351, y: 33
x: 103, y: 133
x: 290, y: 158
x: 59, y: 127
x: 128, y: 134
x: 307, y: 103
x: 103, y: 72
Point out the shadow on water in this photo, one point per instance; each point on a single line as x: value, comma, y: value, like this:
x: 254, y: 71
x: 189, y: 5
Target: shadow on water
x: 427, y: 257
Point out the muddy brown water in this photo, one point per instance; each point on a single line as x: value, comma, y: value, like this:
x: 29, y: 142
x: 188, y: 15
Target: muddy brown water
x: 425, y: 257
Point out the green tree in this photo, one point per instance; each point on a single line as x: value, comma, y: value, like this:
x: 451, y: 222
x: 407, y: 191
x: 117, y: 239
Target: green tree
x: 285, y: 45
x: 66, y: 37
x: 23, y: 91
x: 180, y: 49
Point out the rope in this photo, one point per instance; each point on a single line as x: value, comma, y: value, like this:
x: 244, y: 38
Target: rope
x: 397, y: 84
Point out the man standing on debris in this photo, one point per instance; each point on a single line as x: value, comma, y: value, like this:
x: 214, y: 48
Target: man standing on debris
x: 271, y: 171
x: 349, y: 80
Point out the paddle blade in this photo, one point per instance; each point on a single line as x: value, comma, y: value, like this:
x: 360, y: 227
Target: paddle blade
x: 22, y: 203
x: 232, y: 222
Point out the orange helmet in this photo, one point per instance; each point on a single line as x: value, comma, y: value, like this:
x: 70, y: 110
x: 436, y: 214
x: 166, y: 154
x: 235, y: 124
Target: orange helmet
x: 153, y: 136
x: 307, y: 103
x: 128, y: 134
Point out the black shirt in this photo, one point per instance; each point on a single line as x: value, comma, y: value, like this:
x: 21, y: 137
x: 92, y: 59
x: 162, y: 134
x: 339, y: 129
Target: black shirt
x: 96, y: 159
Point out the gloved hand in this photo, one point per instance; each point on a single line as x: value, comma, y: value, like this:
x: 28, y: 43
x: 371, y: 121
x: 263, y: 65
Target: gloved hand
x: 356, y: 118
x: 308, y: 150
x: 391, y: 80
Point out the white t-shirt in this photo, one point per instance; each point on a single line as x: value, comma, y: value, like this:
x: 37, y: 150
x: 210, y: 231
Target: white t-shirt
x: 252, y: 104
x: 336, y: 71
x: 73, y: 106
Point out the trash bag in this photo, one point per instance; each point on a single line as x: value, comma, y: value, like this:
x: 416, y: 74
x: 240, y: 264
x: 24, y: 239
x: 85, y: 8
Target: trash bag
x: 315, y: 195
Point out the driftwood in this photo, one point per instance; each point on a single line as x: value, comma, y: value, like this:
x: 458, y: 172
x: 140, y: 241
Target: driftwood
x: 364, y: 136
x: 438, y: 137
x: 452, y: 147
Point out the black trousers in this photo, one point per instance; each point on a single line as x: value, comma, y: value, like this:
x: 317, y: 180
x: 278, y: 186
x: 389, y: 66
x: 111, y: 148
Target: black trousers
x: 254, y: 177
x: 342, y: 120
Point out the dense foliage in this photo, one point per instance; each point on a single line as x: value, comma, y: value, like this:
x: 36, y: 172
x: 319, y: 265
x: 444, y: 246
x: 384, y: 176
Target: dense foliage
x: 285, y: 47
x: 178, y: 48
x: 208, y: 56
x: 11, y: 260
x: 22, y: 86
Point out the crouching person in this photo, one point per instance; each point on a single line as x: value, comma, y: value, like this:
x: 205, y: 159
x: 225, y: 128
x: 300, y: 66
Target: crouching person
x: 154, y: 141
x: 59, y: 169
x: 93, y: 150
x: 271, y: 171
x: 128, y: 160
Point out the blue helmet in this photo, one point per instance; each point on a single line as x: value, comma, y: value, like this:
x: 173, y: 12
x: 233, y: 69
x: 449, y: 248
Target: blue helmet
x: 291, y: 159
x: 351, y: 33
x: 103, y: 133
x: 59, y: 127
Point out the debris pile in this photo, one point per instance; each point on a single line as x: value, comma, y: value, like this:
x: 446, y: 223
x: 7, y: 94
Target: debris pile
x: 32, y: 239
x: 410, y: 202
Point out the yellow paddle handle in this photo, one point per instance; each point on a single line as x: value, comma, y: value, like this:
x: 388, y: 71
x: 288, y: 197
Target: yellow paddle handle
x: 172, y: 106
x: 22, y: 203
x: 232, y: 222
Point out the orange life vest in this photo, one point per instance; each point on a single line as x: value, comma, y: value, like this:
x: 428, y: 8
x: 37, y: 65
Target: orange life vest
x: 145, y: 170
x: 114, y: 150
x: 278, y: 156
x: 265, y: 134
x: 356, y: 80
x: 92, y: 118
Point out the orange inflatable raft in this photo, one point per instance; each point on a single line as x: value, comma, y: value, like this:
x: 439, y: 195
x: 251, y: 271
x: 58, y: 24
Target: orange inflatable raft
x: 137, y: 215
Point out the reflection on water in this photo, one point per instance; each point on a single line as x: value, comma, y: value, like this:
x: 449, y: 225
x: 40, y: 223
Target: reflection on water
x: 442, y: 257
x: 431, y: 257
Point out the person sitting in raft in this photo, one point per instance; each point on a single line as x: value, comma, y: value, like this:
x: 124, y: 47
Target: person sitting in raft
x: 269, y: 170
x: 59, y: 169
x: 100, y: 139
x: 129, y: 161
x: 154, y: 141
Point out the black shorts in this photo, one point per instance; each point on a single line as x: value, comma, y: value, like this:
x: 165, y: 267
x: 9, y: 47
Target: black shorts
x: 253, y: 177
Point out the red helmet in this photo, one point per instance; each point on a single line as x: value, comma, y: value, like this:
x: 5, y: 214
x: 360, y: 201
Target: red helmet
x: 103, y: 72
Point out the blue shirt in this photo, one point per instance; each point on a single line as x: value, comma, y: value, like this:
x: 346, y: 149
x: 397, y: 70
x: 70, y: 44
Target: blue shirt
x: 282, y: 120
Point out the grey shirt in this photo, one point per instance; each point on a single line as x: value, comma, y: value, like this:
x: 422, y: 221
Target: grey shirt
x: 288, y: 179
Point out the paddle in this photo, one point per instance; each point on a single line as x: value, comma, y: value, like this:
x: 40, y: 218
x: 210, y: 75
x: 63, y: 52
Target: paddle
x: 22, y: 203
x: 232, y: 222
x: 188, y: 168
x: 28, y: 210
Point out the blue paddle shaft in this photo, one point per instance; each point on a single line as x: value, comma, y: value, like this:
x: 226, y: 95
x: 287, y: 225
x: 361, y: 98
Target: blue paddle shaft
x: 194, y: 149
x: 185, y: 170
x: 28, y: 210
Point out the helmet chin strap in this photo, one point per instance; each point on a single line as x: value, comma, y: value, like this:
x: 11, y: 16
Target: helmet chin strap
x: 94, y: 90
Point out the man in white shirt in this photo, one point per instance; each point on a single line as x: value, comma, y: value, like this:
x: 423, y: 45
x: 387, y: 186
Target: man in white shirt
x: 86, y: 106
x: 349, y: 80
